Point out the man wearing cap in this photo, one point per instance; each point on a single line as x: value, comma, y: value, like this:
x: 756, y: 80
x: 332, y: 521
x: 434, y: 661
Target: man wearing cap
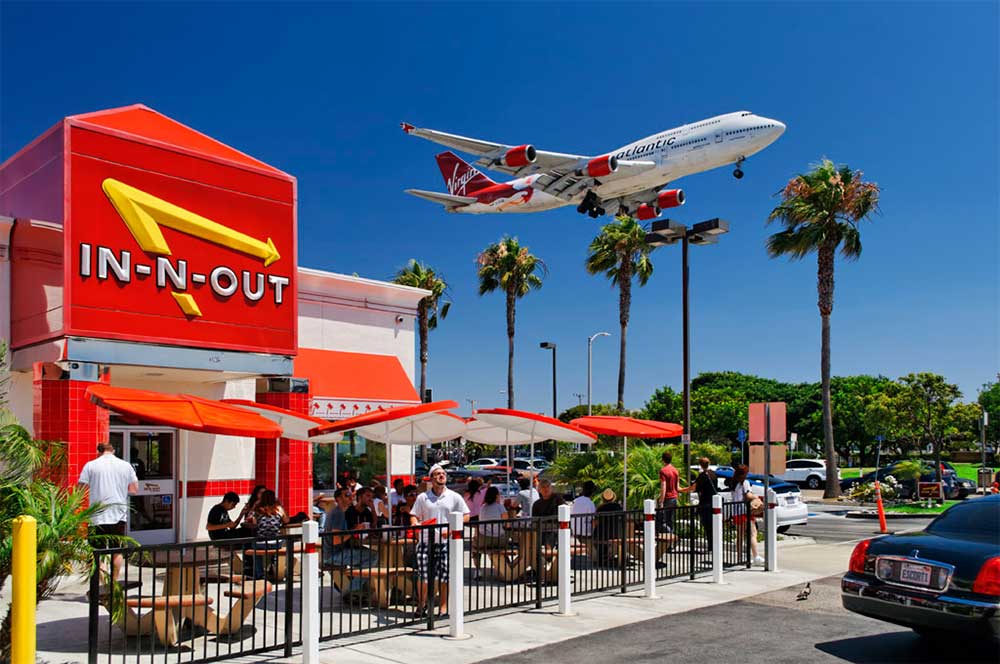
x: 431, y: 510
x: 220, y: 526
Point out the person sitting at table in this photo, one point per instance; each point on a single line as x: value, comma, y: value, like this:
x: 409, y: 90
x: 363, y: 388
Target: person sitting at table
x: 380, y: 506
x: 474, y: 495
x: 402, y: 513
x: 220, y: 526
x: 246, y: 514
x: 607, y: 527
x: 584, y: 508
x: 547, y: 506
x: 396, y: 494
x: 361, y: 515
x: 270, y: 519
x: 340, y: 548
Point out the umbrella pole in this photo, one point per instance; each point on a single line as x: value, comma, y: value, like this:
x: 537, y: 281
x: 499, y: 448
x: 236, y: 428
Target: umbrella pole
x: 625, y: 473
x: 277, y: 463
x: 183, y: 436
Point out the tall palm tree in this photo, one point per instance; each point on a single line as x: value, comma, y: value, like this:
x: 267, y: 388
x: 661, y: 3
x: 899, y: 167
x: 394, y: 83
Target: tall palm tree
x: 820, y: 211
x: 429, y: 309
x: 507, y: 266
x: 620, y: 252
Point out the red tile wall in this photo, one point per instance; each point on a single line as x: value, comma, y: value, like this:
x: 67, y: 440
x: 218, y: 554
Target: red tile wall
x: 295, y: 474
x: 217, y: 487
x: 61, y: 412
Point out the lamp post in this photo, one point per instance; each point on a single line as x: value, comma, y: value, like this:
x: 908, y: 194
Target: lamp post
x: 667, y: 231
x: 472, y: 404
x: 548, y: 345
x: 579, y: 398
x: 590, y: 358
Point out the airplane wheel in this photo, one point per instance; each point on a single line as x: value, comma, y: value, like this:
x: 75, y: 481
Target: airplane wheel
x: 593, y: 214
x: 581, y: 208
x: 738, y: 174
x: 600, y: 212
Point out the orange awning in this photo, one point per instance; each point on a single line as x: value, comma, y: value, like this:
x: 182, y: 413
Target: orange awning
x: 610, y: 425
x: 347, y: 384
x: 183, y: 411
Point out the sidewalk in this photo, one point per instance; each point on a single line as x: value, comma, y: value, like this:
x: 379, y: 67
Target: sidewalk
x: 515, y: 631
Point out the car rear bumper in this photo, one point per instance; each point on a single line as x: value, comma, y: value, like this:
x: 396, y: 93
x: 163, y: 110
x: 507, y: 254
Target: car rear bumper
x: 915, y: 609
x: 793, y: 515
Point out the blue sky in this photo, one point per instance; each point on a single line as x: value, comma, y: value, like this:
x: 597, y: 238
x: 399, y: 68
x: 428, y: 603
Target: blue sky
x: 907, y: 92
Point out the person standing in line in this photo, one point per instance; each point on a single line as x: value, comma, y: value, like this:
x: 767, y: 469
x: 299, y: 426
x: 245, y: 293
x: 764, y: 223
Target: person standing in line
x: 433, y: 507
x: 706, y: 485
x: 583, y: 506
x: 110, y: 481
x: 743, y: 497
x: 669, y: 480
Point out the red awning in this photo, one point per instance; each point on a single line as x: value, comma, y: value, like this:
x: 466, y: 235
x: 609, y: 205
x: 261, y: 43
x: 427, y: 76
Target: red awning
x: 347, y: 384
x: 184, y: 411
x: 610, y: 425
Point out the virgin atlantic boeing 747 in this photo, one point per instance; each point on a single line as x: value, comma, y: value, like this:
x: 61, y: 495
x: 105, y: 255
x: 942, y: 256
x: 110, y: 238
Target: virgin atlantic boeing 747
x: 632, y: 179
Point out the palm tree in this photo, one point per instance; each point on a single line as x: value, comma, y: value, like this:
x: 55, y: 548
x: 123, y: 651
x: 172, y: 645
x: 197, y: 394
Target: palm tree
x: 511, y: 268
x: 429, y: 309
x: 621, y: 253
x: 821, y: 211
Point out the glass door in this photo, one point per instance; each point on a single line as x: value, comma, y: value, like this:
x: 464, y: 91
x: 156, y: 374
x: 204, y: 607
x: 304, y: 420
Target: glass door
x: 151, y: 451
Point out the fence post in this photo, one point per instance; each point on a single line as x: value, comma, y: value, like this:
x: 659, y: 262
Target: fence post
x: 717, y: 560
x: 94, y: 599
x: 771, y: 552
x: 23, y: 591
x: 289, y: 545
x: 539, y: 564
x: 456, y: 576
x: 649, y: 548
x: 565, y: 562
x: 622, y: 548
x: 310, y: 593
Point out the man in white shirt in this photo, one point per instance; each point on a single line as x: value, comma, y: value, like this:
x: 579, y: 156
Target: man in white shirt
x: 584, y: 505
x: 109, y: 480
x: 433, y: 507
x: 526, y: 497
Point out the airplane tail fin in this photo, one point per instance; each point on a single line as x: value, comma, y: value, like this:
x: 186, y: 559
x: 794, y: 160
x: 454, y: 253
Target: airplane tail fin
x: 461, y: 178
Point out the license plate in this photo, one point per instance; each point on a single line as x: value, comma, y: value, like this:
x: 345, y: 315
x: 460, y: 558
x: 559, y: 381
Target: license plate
x: 917, y: 575
x: 791, y: 500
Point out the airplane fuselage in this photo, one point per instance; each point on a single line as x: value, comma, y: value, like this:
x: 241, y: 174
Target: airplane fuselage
x: 685, y: 150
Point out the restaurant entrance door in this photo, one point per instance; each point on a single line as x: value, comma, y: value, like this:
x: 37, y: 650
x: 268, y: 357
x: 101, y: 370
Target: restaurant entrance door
x: 152, y: 452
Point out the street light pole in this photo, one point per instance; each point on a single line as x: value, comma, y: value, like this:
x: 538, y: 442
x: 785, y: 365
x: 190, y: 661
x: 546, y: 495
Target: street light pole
x: 590, y: 359
x: 579, y: 398
x: 472, y: 403
x: 551, y: 346
x: 667, y: 231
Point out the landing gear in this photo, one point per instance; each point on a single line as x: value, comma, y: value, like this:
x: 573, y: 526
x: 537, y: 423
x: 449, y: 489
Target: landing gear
x: 738, y: 173
x: 591, y: 205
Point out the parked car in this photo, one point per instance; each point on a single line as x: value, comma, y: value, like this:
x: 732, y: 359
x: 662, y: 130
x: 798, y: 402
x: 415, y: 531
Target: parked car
x: 791, y: 511
x: 810, y: 472
x: 965, y: 487
x: 945, y: 578
x: 479, y: 464
x: 539, y: 463
x: 907, y: 488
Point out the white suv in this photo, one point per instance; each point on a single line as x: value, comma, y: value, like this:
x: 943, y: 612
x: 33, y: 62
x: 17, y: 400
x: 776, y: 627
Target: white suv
x: 810, y: 472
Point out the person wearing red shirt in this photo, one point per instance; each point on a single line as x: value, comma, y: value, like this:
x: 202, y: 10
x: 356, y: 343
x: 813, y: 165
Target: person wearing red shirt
x: 669, y: 480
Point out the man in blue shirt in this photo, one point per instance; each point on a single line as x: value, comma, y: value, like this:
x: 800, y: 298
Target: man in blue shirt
x: 339, y: 547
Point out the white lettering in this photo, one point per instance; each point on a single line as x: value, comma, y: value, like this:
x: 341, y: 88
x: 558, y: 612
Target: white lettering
x: 253, y: 295
x: 144, y: 270
x: 84, y: 259
x: 279, y: 284
x: 220, y: 290
x: 456, y: 183
x: 121, y: 269
x: 164, y: 270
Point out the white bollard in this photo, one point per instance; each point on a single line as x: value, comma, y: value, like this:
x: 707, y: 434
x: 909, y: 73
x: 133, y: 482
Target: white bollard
x: 565, y: 562
x: 456, y: 576
x: 717, y: 539
x: 310, y: 592
x: 649, y: 547
x: 771, y: 555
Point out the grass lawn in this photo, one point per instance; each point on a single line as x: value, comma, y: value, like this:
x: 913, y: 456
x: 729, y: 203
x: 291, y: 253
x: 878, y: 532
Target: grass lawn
x: 965, y: 470
x: 920, y: 509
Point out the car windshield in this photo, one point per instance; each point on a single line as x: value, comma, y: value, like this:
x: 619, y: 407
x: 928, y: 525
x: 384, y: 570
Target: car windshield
x: 977, y: 519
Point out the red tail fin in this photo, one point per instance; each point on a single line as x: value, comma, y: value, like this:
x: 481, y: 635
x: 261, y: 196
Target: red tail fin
x: 461, y: 178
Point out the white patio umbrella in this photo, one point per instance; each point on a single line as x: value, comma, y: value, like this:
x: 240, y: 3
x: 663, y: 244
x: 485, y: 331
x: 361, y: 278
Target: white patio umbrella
x: 422, y: 424
x: 485, y: 433
x: 535, y: 427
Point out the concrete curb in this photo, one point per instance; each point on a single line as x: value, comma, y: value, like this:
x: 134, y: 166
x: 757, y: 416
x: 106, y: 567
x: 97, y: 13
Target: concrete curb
x: 890, y: 516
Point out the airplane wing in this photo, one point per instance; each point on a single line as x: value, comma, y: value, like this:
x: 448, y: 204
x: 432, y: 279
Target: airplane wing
x: 563, y: 175
x: 446, y: 200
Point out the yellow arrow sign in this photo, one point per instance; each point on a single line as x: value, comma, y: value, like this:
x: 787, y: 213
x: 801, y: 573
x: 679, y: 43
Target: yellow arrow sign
x: 144, y: 214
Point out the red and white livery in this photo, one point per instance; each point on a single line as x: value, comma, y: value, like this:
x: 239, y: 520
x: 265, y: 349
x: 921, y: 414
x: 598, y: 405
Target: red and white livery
x: 631, y: 179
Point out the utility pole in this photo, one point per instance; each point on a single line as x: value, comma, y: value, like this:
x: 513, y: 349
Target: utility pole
x: 579, y: 398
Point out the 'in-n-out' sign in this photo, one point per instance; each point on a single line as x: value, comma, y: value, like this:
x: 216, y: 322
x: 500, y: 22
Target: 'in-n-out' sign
x: 144, y: 215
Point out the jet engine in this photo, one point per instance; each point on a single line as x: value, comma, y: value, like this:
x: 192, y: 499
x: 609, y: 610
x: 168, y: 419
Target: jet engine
x: 669, y: 198
x: 520, y: 156
x: 646, y: 212
x: 598, y: 167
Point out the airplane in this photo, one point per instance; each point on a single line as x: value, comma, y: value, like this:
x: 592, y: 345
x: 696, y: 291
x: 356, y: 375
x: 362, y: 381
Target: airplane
x: 629, y: 180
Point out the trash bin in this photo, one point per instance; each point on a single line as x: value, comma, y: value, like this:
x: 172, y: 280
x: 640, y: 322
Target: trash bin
x: 985, y: 479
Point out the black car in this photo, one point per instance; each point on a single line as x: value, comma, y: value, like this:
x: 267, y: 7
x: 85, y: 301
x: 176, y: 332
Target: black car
x: 907, y: 488
x: 944, y: 578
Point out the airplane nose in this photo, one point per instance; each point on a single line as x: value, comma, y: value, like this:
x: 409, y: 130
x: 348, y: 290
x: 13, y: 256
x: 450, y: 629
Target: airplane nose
x: 779, y: 127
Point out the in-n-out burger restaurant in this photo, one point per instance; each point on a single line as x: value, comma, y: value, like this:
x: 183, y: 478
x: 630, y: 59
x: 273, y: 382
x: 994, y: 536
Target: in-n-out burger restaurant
x: 139, y: 252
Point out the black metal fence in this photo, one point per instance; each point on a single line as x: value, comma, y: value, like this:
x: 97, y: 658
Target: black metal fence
x: 736, y: 536
x: 194, y: 602
x: 606, y: 551
x: 382, y: 578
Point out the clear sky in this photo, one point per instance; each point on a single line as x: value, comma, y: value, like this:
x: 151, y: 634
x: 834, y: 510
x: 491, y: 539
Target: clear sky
x: 907, y: 92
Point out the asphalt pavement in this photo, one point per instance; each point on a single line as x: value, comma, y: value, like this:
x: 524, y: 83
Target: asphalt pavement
x: 829, y: 523
x: 773, y: 627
